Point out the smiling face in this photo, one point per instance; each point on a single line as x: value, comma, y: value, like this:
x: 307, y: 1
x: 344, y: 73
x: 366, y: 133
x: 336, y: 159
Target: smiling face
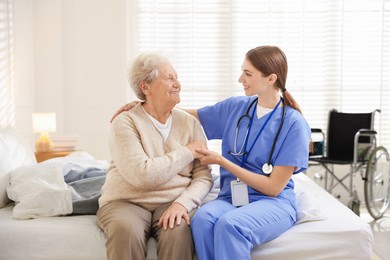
x: 254, y: 82
x: 165, y: 88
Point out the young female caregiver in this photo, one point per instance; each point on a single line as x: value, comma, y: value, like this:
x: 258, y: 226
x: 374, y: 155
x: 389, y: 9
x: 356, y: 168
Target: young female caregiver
x: 263, y: 144
x: 265, y: 140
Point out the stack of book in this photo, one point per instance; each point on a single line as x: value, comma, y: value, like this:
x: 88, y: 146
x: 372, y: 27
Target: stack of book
x: 64, y: 142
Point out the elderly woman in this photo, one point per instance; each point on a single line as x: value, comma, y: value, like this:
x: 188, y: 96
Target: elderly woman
x: 155, y: 182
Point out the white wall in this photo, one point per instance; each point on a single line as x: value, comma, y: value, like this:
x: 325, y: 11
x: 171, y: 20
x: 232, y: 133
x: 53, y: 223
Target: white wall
x: 23, y: 60
x: 71, y: 59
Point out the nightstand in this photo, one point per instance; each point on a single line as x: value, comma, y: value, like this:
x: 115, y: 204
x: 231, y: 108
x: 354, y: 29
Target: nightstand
x: 49, y: 155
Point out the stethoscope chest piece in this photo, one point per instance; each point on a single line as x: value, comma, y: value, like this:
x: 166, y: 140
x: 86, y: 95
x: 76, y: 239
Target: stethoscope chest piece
x: 267, y: 168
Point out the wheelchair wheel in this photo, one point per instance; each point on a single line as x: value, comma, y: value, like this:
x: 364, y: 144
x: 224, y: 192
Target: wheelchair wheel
x: 376, y: 185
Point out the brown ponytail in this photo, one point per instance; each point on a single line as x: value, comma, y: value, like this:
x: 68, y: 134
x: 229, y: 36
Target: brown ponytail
x: 290, y: 101
x: 272, y: 60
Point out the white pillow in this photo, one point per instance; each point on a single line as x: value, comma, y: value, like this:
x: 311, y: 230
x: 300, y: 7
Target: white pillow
x: 309, y: 209
x: 14, y: 152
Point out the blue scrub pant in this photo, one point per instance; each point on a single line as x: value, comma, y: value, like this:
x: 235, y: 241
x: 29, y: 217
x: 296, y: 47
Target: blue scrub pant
x: 223, y: 231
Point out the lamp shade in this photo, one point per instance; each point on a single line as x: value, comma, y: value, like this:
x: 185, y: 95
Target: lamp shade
x: 44, y: 122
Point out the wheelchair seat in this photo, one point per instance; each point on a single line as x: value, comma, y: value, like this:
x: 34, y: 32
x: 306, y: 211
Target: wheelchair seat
x: 351, y: 140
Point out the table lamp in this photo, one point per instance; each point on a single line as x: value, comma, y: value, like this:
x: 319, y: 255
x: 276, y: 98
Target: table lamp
x: 44, y: 123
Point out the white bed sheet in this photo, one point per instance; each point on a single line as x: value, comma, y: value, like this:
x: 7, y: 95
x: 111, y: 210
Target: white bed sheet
x: 71, y: 237
x: 343, y: 235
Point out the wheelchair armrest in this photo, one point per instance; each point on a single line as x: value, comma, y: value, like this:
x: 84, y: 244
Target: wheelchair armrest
x: 363, y: 132
x: 367, y: 132
x: 316, y: 130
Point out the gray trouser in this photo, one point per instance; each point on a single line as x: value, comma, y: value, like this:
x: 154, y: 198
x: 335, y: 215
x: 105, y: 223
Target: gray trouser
x: 128, y: 227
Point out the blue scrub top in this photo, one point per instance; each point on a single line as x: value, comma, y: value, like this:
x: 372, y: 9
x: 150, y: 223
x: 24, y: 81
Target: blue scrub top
x: 219, y: 121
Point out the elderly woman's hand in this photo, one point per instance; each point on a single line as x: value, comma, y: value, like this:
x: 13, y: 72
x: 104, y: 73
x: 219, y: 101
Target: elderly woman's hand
x: 173, y: 215
x: 195, y: 145
x: 209, y: 157
x: 126, y: 107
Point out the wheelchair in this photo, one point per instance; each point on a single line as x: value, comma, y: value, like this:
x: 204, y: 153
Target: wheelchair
x: 351, y: 140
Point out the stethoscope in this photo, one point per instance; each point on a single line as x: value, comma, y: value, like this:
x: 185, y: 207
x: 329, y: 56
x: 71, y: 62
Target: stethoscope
x: 267, y: 167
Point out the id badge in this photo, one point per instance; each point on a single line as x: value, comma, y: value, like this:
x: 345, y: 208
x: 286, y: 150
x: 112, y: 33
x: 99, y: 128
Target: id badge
x: 239, y: 193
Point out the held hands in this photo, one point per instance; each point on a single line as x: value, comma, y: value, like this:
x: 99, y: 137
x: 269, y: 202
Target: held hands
x: 196, y: 145
x: 126, y: 107
x: 173, y: 215
x: 209, y: 157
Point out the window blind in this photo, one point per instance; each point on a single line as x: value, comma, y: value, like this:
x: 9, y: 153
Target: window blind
x: 7, y: 99
x: 338, y: 51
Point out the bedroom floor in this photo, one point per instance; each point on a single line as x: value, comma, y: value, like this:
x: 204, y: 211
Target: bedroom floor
x: 381, y: 231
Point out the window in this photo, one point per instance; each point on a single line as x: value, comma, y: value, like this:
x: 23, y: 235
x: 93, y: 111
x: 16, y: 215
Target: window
x: 7, y: 100
x: 338, y: 51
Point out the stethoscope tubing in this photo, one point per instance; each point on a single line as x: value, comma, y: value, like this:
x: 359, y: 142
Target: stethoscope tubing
x: 246, y: 115
x: 243, y: 148
x: 277, y: 133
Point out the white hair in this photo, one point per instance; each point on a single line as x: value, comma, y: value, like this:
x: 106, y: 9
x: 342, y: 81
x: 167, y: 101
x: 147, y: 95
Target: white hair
x: 144, y: 68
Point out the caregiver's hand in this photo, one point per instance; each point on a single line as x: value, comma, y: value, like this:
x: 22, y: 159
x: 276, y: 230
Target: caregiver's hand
x: 195, y: 146
x: 209, y: 157
x: 126, y: 107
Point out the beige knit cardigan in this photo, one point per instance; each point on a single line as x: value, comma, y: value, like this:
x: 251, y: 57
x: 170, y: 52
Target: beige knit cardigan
x: 148, y: 171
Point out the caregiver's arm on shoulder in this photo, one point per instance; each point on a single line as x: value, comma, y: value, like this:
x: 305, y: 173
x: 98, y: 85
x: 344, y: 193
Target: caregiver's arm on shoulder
x: 123, y: 108
x: 192, y: 112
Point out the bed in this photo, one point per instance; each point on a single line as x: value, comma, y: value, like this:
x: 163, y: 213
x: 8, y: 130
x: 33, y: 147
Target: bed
x: 326, y: 229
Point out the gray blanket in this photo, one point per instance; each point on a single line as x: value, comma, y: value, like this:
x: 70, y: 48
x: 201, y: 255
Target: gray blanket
x: 85, y: 186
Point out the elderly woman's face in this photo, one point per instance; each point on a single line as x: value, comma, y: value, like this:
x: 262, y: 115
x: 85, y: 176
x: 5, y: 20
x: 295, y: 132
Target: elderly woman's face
x: 166, y: 87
